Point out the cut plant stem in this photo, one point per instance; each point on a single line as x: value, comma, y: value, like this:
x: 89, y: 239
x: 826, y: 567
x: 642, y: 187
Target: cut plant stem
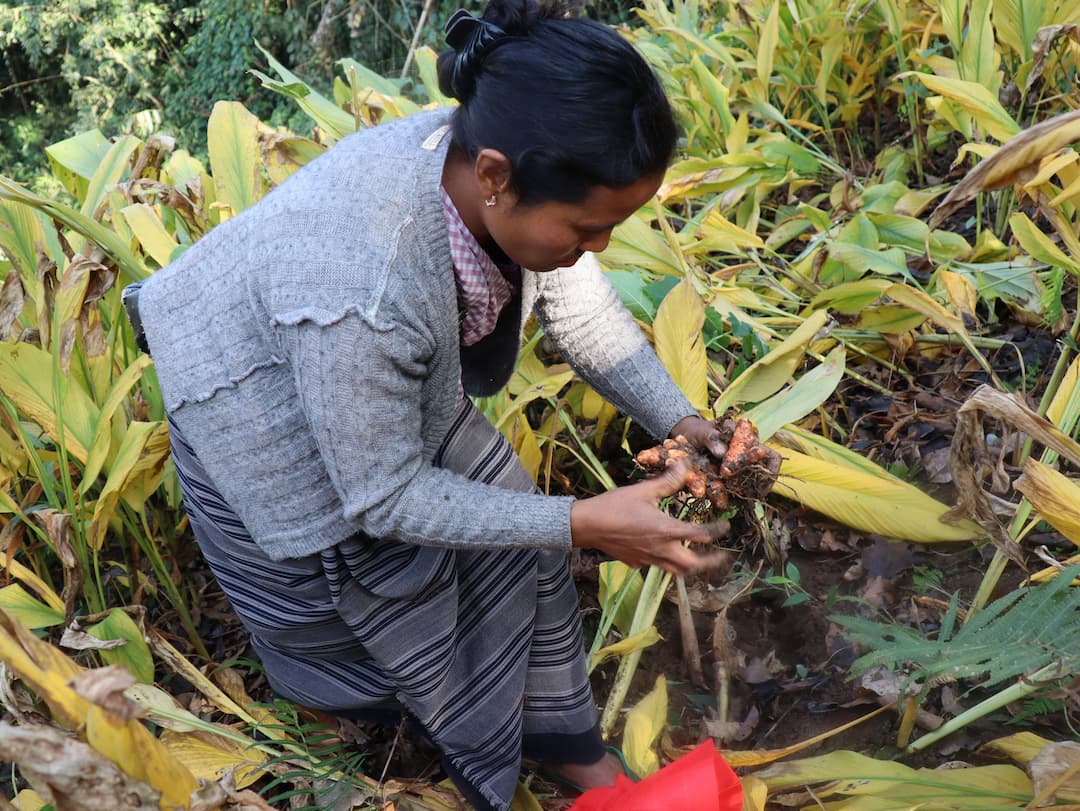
x: 652, y: 595
x: 691, y: 648
x: 1028, y: 685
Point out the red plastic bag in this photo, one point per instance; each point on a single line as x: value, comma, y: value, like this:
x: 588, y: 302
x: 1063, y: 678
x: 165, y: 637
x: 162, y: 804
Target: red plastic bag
x: 699, y: 781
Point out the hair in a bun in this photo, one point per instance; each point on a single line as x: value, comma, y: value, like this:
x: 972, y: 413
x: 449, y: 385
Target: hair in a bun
x: 568, y: 101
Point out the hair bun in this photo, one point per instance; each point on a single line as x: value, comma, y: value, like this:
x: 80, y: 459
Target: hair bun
x: 472, y: 38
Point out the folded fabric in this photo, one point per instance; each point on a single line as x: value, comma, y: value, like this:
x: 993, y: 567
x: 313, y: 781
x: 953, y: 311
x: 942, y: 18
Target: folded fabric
x: 699, y: 781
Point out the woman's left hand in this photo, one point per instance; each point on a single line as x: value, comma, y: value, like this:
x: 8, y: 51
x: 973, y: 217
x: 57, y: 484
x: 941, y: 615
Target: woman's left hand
x: 701, y: 434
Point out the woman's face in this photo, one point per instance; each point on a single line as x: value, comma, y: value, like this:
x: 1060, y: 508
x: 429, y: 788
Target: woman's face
x: 551, y: 235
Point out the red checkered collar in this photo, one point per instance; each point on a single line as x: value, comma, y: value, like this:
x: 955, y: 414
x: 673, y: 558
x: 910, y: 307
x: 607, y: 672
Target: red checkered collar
x: 483, y: 290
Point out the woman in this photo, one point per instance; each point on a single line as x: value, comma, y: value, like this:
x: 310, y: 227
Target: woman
x: 376, y: 535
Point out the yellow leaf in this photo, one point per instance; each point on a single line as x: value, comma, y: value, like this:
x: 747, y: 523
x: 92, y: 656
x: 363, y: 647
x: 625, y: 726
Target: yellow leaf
x: 890, y: 319
x: 612, y: 575
x: 26, y: 609
x: 1055, y: 497
x: 1050, y: 167
x: 211, y: 757
x: 803, y: 396
x: 718, y: 234
x: 1014, y: 162
x: 44, y: 669
x: 635, y: 243
x: 1021, y: 747
x: 635, y: 642
x: 152, y: 235
x: 866, y: 502
x: 1039, y: 245
x: 26, y: 378
x: 755, y: 793
x: 547, y: 386
x: 962, y: 293
x: 43, y: 591
x: 849, y: 773
x: 232, y: 141
x: 101, y: 449
x: 28, y: 800
x: 976, y: 100
x: 139, y: 754
x: 145, y: 447
x: 759, y: 757
x: 1067, y: 390
x: 526, y: 447
x: 768, y: 375
x: 679, y: 344
x: 524, y: 800
x: 644, y: 723
x: 768, y: 39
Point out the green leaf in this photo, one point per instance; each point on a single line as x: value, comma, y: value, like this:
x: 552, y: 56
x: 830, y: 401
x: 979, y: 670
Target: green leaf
x: 802, y: 397
x: 27, y: 609
x: 75, y: 160
x: 114, y: 166
x: 134, y: 654
x: 613, y: 577
x: 1039, y: 245
x: 768, y: 375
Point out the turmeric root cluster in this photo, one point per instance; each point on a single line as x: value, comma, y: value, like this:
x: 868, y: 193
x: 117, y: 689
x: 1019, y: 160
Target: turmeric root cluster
x: 746, y: 472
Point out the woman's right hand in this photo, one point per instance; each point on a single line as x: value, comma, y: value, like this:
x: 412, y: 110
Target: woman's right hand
x: 628, y: 525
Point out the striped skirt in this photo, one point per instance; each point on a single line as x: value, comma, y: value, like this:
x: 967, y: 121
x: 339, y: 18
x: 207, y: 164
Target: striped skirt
x: 481, y: 647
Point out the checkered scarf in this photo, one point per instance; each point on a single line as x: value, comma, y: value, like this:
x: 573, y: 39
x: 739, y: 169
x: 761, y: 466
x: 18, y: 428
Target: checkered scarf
x: 483, y: 291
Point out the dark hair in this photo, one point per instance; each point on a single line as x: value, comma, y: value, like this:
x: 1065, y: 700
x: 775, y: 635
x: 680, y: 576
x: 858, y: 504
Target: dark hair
x: 568, y: 101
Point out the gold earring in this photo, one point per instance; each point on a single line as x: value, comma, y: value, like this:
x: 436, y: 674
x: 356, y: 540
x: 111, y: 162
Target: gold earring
x: 490, y: 201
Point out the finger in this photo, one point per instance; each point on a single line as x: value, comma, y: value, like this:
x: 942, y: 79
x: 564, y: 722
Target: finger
x: 669, y: 482
x: 717, y: 561
x: 716, y: 445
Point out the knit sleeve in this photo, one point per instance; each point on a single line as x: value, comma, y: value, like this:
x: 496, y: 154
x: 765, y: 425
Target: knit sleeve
x: 362, y: 387
x: 582, y: 314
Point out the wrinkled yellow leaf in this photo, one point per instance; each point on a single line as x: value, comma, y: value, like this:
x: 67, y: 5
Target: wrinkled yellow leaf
x: 679, y: 344
x: 962, y: 293
x: 211, y: 757
x: 635, y: 642
x: 867, y: 502
x: 1014, y: 162
x: 644, y: 723
x: 1054, y: 496
x: 139, y: 754
x: 768, y: 375
x: 27, y: 610
x: 44, y: 669
x: 162, y: 708
x: 1055, y: 771
x: 635, y: 243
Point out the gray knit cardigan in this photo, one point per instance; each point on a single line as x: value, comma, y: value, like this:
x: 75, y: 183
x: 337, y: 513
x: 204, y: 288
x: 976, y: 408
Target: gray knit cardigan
x: 308, y: 351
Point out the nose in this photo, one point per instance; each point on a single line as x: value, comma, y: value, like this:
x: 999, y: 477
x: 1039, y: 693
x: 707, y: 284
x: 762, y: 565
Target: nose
x: 596, y: 242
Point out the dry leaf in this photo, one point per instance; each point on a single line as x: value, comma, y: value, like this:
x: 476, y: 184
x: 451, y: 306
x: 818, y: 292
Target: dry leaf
x: 1054, y: 762
x: 1008, y: 164
x: 71, y: 775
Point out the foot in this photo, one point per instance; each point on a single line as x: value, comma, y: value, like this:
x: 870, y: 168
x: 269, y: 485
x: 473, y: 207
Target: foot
x: 593, y: 775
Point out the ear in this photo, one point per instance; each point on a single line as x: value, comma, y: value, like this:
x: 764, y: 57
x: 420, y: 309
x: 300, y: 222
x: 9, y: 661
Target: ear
x: 492, y: 170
